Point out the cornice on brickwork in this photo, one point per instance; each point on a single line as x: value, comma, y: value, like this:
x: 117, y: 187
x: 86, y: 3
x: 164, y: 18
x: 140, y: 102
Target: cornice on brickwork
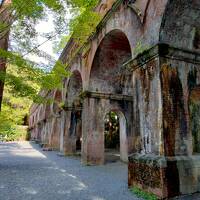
x: 162, y: 50
x: 98, y: 95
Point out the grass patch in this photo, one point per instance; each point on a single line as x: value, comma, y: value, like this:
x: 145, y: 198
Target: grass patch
x: 142, y: 194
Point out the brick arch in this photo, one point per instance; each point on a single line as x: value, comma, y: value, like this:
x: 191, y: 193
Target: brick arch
x: 57, y: 98
x: 107, y: 67
x: 98, y: 40
x: 48, y: 107
x: 144, y: 29
x: 74, y: 88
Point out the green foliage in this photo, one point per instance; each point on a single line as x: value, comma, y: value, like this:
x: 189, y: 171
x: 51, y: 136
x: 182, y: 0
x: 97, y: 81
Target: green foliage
x: 82, y: 24
x: 14, y: 133
x: 140, y: 48
x: 24, y: 78
x: 54, y: 78
x: 145, y: 195
x: 88, y: 4
x: 59, y: 46
x: 14, y: 108
x: 112, y: 130
x: 10, y: 129
x: 24, y: 15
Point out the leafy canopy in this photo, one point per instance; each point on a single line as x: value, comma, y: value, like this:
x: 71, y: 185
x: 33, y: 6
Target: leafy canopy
x: 24, y: 78
x: 23, y: 16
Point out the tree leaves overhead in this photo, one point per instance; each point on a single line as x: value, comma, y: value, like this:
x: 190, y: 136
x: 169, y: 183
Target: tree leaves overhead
x: 84, y: 4
x: 16, y: 102
x: 34, y: 9
x: 23, y: 16
x: 82, y: 27
x: 24, y: 78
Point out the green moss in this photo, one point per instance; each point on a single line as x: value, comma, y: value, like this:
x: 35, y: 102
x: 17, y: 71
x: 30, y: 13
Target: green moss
x: 140, y: 48
x: 142, y: 194
x: 84, y: 94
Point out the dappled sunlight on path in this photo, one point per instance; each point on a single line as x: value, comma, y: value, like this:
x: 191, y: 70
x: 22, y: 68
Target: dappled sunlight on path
x: 28, y: 173
x: 24, y: 149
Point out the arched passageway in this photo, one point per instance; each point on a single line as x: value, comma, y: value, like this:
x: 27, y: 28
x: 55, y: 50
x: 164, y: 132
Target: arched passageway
x: 115, y: 137
x: 57, y: 100
x: 56, y: 120
x: 74, y: 89
x: 73, y: 134
x: 109, y: 89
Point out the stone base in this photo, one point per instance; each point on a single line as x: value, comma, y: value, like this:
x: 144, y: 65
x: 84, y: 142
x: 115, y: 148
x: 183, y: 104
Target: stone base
x: 165, y: 176
x: 69, y: 147
x: 47, y: 149
x: 43, y: 145
x: 37, y: 141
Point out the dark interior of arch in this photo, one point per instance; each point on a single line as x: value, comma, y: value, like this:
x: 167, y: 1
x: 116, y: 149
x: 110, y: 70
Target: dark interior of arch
x: 74, y: 88
x: 58, y: 96
x: 73, y: 91
x: 106, y: 73
x: 57, y: 100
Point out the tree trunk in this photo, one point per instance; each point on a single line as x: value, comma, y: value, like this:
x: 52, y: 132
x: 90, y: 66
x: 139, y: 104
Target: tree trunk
x: 4, y: 38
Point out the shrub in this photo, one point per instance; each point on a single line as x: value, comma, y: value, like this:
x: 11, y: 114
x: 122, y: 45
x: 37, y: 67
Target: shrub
x: 14, y: 133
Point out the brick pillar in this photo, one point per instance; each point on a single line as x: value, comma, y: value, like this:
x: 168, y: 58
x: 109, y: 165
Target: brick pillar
x: 62, y: 125
x: 92, y: 132
x: 175, y: 117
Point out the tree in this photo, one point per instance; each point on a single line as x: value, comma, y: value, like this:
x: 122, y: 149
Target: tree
x: 17, y: 26
x: 17, y: 20
x: 18, y: 39
x: 4, y: 36
x: 13, y: 116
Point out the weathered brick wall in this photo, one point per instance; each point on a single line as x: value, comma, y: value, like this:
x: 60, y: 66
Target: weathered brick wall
x: 178, y: 74
x: 147, y: 110
x: 157, y: 93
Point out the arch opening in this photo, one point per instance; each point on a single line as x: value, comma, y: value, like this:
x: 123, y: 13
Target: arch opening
x: 115, y: 137
x: 74, y: 102
x: 57, y: 100
x: 106, y: 73
x: 74, y: 89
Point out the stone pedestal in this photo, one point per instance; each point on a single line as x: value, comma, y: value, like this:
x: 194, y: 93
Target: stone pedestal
x: 69, y: 146
x: 164, y: 176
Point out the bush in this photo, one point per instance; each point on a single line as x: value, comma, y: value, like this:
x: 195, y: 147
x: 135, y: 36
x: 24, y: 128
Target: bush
x: 15, y: 133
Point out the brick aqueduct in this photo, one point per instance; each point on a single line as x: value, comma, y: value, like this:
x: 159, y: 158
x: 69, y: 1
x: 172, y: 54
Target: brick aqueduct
x: 143, y: 63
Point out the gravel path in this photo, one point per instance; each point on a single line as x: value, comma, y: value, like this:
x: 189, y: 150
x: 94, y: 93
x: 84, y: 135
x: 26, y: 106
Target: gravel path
x: 27, y: 173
